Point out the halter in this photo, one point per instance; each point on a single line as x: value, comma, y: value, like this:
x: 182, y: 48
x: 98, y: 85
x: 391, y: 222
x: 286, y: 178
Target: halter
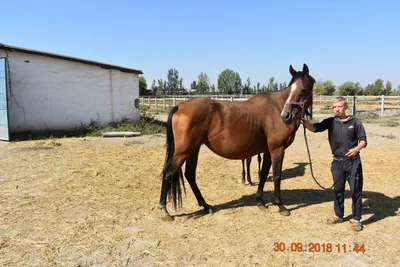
x: 301, y: 104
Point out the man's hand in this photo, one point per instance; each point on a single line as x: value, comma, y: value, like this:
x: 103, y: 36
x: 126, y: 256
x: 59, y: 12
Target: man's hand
x: 352, y: 152
x: 308, y: 125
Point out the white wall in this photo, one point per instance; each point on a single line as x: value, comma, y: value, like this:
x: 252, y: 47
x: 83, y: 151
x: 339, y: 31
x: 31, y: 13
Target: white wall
x: 48, y: 93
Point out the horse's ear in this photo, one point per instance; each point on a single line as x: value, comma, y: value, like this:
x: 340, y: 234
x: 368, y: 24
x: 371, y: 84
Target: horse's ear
x: 305, y: 69
x: 292, y: 71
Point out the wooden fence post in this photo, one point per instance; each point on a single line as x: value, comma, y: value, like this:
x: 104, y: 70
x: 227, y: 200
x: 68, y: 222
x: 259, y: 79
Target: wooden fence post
x: 383, y: 106
x: 174, y: 102
x: 320, y: 99
x: 148, y: 102
x: 164, y: 102
x: 354, y: 105
x: 142, y: 101
x: 156, y: 104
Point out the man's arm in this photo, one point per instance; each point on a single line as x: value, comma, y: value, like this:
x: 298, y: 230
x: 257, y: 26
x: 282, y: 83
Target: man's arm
x: 354, y: 151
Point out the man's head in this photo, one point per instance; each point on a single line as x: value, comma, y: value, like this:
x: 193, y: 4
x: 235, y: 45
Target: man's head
x: 339, y: 106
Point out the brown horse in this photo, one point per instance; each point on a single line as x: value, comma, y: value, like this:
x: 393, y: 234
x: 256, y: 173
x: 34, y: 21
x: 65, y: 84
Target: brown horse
x: 265, y: 123
x: 248, y: 162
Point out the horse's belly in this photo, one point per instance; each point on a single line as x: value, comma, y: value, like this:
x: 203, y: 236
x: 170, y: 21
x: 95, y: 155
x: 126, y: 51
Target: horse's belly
x: 236, y: 149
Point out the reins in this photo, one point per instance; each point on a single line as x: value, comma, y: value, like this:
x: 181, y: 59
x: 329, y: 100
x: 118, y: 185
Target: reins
x: 311, y: 168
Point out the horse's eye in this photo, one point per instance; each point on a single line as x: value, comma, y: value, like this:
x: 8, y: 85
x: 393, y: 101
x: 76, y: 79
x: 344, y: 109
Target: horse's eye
x: 302, y: 91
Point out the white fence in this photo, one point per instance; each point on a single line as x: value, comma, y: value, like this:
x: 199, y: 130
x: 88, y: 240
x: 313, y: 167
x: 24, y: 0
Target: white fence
x: 358, y: 103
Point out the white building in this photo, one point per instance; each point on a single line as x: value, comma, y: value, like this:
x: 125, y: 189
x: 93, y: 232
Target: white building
x: 42, y: 91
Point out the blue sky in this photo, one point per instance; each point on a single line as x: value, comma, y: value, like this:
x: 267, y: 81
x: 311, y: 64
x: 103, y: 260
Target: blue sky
x: 339, y: 40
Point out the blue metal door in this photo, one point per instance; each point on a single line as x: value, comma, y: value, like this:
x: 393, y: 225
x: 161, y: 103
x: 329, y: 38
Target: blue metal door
x: 4, y: 132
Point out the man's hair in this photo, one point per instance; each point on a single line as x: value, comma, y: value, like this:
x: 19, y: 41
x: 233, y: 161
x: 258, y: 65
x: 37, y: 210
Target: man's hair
x: 340, y: 98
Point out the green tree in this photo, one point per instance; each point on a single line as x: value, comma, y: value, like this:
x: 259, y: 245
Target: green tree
x: 193, y: 86
x: 229, y: 82
x: 154, y: 87
x: 246, y: 87
x: 324, y: 88
x: 282, y: 86
x: 347, y: 88
x: 203, y: 85
x: 388, y: 88
x: 173, y: 82
x: 212, y: 89
x: 374, y: 89
x: 143, y: 86
x: 271, y: 84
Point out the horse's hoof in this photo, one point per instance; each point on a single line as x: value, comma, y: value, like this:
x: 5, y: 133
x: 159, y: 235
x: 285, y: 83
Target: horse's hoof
x: 251, y: 183
x: 167, y: 218
x: 284, y: 211
x: 208, y: 209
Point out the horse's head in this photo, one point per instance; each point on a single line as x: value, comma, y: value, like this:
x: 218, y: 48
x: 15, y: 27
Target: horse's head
x: 300, y: 96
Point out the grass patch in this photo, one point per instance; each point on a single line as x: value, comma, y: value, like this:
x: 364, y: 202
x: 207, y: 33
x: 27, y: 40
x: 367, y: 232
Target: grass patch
x: 146, y: 125
x: 133, y: 143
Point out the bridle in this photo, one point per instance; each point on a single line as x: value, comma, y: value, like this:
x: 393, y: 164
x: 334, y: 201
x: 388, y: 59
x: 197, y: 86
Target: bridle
x: 300, y: 104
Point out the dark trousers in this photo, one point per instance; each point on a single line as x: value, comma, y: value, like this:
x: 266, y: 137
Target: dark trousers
x: 350, y: 170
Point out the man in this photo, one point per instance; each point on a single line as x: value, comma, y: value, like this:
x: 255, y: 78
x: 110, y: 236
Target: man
x: 346, y: 138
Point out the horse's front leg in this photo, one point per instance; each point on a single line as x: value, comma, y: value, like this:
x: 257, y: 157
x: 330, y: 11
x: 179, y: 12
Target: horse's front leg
x: 277, y: 161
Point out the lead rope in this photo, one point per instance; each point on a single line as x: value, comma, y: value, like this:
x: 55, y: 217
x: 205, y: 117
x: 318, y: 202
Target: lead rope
x: 311, y: 168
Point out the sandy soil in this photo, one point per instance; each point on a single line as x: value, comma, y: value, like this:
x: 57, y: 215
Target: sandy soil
x: 93, y: 202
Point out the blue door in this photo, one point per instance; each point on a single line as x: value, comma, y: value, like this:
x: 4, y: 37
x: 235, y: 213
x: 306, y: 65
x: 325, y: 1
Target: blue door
x: 4, y: 132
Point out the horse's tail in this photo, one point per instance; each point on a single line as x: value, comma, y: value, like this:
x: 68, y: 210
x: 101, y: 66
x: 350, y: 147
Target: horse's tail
x: 175, y: 177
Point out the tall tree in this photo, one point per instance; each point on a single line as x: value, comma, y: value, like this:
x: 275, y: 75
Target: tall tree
x: 347, y: 88
x: 212, y: 89
x: 143, y: 86
x: 271, y: 85
x: 154, y: 87
x: 173, y: 81
x: 229, y: 82
x: 193, y: 87
x: 246, y: 86
x: 388, y: 88
x: 324, y: 88
x: 203, y: 85
x: 282, y: 86
x: 374, y: 89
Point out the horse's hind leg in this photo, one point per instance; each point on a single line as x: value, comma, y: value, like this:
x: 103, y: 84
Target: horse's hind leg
x: 248, y: 162
x: 266, y: 165
x: 171, y: 172
x: 243, y: 173
x: 190, y: 174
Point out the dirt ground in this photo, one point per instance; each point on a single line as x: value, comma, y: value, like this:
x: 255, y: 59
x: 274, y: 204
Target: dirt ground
x: 93, y: 202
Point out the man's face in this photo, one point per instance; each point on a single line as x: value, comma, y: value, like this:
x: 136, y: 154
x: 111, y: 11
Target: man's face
x: 339, y: 108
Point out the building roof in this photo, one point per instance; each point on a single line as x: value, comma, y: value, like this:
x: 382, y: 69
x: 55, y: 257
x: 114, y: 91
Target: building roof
x: 75, y: 59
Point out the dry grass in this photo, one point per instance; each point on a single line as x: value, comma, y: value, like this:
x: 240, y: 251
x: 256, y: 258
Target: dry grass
x: 92, y: 202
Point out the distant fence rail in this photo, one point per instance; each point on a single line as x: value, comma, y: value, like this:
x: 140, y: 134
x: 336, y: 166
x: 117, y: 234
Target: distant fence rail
x: 358, y: 103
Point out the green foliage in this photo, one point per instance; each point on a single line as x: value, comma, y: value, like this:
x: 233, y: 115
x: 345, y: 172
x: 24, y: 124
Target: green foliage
x: 378, y: 88
x: 229, y: 82
x: 246, y: 87
x: 146, y: 125
x: 174, y: 84
x: 203, y: 85
x: 348, y: 88
x: 324, y: 88
x: 143, y: 87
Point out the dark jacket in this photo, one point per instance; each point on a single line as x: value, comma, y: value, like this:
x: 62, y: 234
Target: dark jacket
x: 343, y: 135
